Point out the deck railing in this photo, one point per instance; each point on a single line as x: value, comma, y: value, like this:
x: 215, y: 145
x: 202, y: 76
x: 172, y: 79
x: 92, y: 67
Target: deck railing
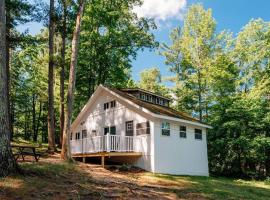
x: 107, y: 143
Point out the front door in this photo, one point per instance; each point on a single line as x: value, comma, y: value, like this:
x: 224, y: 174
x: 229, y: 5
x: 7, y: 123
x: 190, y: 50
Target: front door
x: 129, y: 128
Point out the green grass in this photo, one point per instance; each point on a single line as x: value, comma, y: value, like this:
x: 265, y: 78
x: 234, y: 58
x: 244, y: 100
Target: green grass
x: 219, y: 188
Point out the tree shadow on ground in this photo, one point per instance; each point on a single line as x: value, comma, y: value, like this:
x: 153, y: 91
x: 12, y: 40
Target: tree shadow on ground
x: 82, y: 181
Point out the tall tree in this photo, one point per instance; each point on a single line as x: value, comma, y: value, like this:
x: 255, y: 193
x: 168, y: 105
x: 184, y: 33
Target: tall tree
x: 62, y: 73
x: 191, y: 55
x: 51, y: 115
x: 150, y: 79
x: 111, y: 36
x: 66, y: 154
x: 17, y: 12
x: 7, y: 161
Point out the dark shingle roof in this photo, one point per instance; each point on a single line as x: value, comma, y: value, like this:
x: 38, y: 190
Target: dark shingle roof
x: 154, y: 108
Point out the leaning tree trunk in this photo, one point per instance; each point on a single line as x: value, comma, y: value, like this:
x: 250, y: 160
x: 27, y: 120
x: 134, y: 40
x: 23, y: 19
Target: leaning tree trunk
x: 7, y: 162
x: 62, y: 73
x: 66, y: 154
x: 51, y: 125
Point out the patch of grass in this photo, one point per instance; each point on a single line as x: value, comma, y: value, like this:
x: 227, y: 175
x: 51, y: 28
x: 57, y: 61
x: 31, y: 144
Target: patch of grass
x: 48, y: 169
x: 219, y: 188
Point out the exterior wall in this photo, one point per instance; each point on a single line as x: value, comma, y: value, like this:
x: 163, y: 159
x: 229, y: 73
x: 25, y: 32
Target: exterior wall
x: 161, y: 154
x: 96, y: 118
x: 146, y: 161
x: 182, y: 156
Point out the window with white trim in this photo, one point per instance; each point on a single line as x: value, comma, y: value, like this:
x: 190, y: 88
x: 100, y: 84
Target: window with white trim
x: 77, y: 136
x: 183, y: 132
x: 165, y: 128
x: 71, y: 136
x: 198, y: 134
x: 143, y: 128
x: 142, y: 96
x: 84, y: 134
x: 106, y: 106
x: 113, y: 104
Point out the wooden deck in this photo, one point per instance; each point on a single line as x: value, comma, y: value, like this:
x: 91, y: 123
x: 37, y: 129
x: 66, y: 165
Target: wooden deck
x: 106, y: 154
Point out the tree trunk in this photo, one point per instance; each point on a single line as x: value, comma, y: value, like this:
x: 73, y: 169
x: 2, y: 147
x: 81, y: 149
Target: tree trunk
x: 7, y: 161
x: 66, y: 154
x: 200, y: 96
x: 38, y: 122
x: 34, y: 116
x: 8, y: 26
x: 51, y: 125
x: 267, y: 161
x: 62, y: 75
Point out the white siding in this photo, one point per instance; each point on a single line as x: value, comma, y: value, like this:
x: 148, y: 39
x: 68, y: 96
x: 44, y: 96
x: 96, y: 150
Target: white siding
x: 175, y: 155
x: 161, y: 154
x: 96, y: 118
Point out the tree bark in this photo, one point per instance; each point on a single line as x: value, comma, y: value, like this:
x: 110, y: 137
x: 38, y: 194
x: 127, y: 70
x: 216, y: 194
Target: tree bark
x: 62, y: 74
x: 7, y: 161
x: 51, y: 124
x: 200, y: 96
x: 66, y: 154
x: 38, y: 122
x: 34, y: 116
x: 8, y: 27
x: 267, y: 161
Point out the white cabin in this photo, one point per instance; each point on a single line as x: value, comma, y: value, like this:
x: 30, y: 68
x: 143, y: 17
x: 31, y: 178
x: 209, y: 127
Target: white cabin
x: 136, y: 126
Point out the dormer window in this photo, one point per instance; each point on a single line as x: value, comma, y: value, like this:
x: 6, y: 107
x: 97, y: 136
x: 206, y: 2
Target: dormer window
x: 143, y: 96
x: 148, y: 96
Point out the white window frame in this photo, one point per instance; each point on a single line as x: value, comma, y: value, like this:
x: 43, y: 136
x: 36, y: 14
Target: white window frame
x: 182, y: 131
x: 84, y: 133
x: 166, y: 126
x: 113, y: 104
x: 142, y: 96
x: 199, y: 139
x: 77, y: 135
x: 106, y: 106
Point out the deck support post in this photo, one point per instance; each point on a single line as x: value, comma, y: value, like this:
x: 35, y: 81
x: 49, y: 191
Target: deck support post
x: 103, y: 161
x: 83, y: 159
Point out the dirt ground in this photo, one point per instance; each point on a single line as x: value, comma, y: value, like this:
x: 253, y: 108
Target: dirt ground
x: 47, y: 180
x: 50, y: 178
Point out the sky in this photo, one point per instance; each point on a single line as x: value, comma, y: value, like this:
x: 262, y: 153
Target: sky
x: 229, y: 14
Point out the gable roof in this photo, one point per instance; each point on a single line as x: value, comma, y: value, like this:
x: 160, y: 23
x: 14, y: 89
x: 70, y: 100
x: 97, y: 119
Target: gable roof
x: 153, y: 109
